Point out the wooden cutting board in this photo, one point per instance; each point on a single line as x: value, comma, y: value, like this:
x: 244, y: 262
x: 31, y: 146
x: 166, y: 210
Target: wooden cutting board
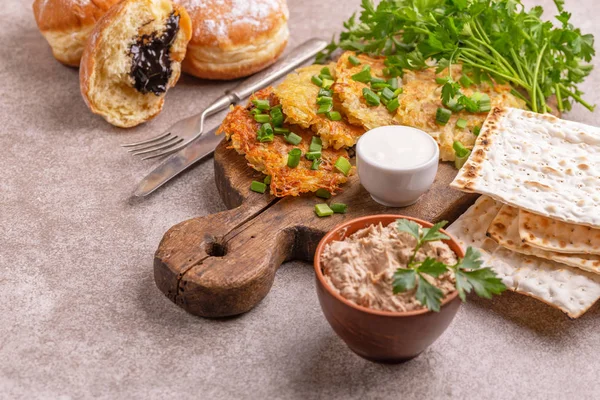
x: 223, y: 264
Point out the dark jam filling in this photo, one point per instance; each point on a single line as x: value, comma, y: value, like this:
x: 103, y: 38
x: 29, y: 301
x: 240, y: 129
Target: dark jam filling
x: 151, y: 64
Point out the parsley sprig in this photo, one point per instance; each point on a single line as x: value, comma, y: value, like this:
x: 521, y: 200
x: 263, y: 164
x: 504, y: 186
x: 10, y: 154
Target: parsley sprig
x: 467, y: 271
x: 493, y: 39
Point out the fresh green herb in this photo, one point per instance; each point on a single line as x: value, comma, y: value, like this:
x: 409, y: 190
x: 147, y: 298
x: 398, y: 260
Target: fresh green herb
x: 276, y: 116
x: 325, y: 71
x: 316, y: 144
x: 442, y: 116
x: 315, y: 164
x: 323, y: 210
x: 281, y: 131
x: 325, y: 108
x: 258, y: 187
x: 393, y: 82
x: 327, y: 83
x: 262, y: 105
x: 483, y: 101
x: 262, y: 118
x: 323, y: 193
x: 343, y: 165
x: 324, y: 100
x: 469, y: 274
x: 461, y: 154
x: 267, y: 180
x: 354, y: 61
x: 294, y: 157
x: 256, y: 111
x: 313, y: 155
x: 265, y: 133
x: 379, y: 85
x: 325, y: 93
x: 316, y: 80
x: 364, y: 75
x: 387, y: 94
x: 371, y: 97
x: 393, y: 105
x: 461, y: 123
x: 334, y: 115
x: 339, y: 208
x: 497, y: 40
x: 293, y: 138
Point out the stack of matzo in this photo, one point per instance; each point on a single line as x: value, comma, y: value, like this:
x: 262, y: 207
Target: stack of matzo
x: 538, y: 223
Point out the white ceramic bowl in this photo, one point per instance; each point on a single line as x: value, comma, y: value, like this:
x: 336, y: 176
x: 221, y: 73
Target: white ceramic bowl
x: 396, y: 164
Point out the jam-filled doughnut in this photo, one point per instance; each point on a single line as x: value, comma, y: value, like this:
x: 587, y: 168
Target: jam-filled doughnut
x: 66, y: 25
x: 132, y: 58
x: 234, y: 38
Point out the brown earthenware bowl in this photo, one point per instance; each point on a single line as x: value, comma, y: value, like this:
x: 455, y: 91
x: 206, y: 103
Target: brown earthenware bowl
x: 382, y: 336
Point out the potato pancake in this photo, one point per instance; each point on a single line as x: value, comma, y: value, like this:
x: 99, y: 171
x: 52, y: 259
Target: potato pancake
x: 298, y: 97
x: 419, y: 102
x: 271, y: 158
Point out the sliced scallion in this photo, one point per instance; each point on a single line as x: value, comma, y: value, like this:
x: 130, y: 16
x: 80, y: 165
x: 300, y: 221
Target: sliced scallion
x: 334, y: 116
x: 293, y: 138
x: 371, y: 97
x: 324, y: 100
x: 316, y: 144
x: 343, y: 165
x: 261, y: 104
x: 387, y: 94
x: 276, y: 116
x: 325, y: 71
x: 393, y: 105
x: 364, y: 75
x: 393, y: 82
x: 258, y: 187
x: 281, y: 131
x: 256, y: 111
x: 267, y: 180
x: 323, y: 210
x: 379, y: 85
x: 262, y: 118
x: 442, y: 116
x: 476, y: 130
x: 323, y: 193
x: 378, y: 80
x: 483, y: 100
x: 354, y: 60
x: 325, y: 92
x: 313, y: 155
x: 325, y: 108
x: 461, y: 123
x: 315, y: 164
x: 294, y: 157
x: 459, y: 149
x: 327, y: 83
x: 316, y: 80
x: 265, y: 133
x: 398, y: 92
x: 338, y: 208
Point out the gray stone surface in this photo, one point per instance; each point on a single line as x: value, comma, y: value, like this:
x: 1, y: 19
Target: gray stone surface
x: 80, y: 316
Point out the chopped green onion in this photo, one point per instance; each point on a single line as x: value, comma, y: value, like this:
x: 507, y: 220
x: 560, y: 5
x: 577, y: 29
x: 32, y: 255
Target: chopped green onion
x: 267, y: 180
x: 465, y: 81
x: 354, y: 61
x: 315, y: 164
x: 363, y: 76
x: 323, y: 210
x: 258, y: 187
x: 277, y: 106
x: 393, y: 105
x: 276, y: 116
x: 325, y: 71
x: 398, y: 92
x: 462, y: 154
x: 313, y: 155
x: 324, y: 100
x: 378, y: 80
x: 384, y: 101
x: 256, y: 111
x: 316, y: 144
x: 476, y: 130
x: 380, y: 85
x: 334, y: 115
x: 325, y: 92
x: 327, y: 83
x: 343, y: 165
x: 459, y: 149
x: 393, y: 82
x: 281, y: 131
x: 261, y: 104
x: 371, y: 97
x: 338, y: 208
x: 262, y: 118
x: 442, y: 116
x: 325, y: 108
x: 323, y: 193
x: 316, y: 80
x: 294, y: 157
x: 265, y: 133
x: 387, y: 94
x: 483, y: 100
x: 453, y: 105
x: 461, y: 123
x: 293, y: 138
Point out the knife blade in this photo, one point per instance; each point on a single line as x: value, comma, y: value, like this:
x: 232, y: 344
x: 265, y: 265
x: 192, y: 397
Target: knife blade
x: 204, y: 146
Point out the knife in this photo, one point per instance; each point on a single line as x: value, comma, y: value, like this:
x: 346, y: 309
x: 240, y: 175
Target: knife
x: 206, y: 144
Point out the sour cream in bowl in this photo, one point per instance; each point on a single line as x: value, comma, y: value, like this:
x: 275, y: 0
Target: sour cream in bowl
x: 396, y: 164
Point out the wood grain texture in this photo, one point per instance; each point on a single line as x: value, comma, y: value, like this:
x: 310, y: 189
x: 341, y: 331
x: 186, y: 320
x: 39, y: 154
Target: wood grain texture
x: 223, y: 264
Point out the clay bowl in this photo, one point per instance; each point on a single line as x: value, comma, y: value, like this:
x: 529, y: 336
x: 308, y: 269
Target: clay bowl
x: 381, y: 336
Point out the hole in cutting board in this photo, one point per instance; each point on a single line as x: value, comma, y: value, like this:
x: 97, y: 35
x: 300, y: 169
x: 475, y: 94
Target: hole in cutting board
x: 216, y: 249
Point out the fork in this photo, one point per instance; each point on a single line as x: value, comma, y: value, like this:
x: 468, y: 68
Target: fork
x: 189, y: 129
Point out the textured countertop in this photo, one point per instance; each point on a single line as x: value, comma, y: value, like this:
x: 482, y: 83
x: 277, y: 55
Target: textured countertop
x: 80, y: 315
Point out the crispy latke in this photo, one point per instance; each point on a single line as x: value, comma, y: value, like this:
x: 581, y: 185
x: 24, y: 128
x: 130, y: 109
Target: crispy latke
x: 298, y: 97
x: 270, y: 158
x: 419, y: 102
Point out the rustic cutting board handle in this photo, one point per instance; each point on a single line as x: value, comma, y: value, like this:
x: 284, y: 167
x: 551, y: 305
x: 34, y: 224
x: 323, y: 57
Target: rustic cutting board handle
x: 224, y: 264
